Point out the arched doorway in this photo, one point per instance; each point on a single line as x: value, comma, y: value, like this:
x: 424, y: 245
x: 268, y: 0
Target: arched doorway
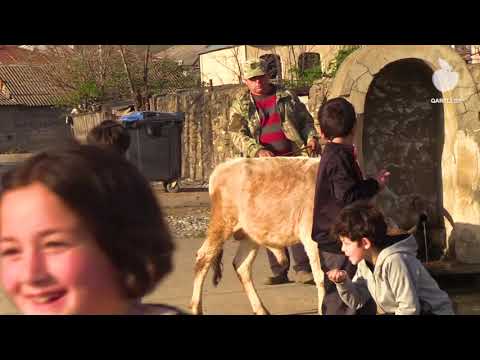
x: 403, y: 131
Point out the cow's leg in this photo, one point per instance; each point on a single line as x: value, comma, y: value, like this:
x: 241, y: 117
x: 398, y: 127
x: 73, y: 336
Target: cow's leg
x: 246, y: 253
x: 211, y: 248
x: 311, y: 248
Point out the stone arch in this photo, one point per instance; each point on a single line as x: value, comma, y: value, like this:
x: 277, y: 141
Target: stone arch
x: 461, y: 122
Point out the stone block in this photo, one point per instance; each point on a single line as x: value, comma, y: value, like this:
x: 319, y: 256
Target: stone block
x: 466, y: 238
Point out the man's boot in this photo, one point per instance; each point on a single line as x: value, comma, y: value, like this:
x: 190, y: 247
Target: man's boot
x: 277, y: 279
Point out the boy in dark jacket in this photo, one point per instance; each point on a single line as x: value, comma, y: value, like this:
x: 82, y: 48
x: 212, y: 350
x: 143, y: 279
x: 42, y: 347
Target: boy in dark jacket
x: 339, y: 183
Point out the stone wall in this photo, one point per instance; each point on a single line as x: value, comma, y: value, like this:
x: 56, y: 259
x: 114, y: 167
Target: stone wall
x: 205, y: 139
x: 403, y: 130
x: 475, y: 71
x: 318, y: 95
x: 83, y: 123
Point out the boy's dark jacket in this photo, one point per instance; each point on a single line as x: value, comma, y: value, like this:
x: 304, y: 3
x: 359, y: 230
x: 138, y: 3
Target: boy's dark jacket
x: 339, y: 183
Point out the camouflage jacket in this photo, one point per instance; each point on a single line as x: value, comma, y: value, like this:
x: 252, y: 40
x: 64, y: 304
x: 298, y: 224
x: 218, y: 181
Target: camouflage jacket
x: 244, y: 127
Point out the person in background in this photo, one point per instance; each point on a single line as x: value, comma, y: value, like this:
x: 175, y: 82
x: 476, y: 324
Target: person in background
x: 269, y: 121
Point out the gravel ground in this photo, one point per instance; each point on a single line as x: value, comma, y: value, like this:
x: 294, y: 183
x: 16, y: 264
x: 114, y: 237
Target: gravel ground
x: 188, y: 222
x: 184, y: 185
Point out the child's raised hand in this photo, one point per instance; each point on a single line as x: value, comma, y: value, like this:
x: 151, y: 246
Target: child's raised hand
x: 337, y: 276
x: 382, y: 178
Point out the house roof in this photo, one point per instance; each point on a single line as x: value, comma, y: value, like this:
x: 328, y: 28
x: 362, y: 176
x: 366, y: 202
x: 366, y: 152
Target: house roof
x: 211, y: 48
x: 12, y: 54
x: 28, y: 85
x: 187, y: 53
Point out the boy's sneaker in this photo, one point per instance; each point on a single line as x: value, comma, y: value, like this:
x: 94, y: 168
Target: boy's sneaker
x: 277, y: 280
x: 304, y: 277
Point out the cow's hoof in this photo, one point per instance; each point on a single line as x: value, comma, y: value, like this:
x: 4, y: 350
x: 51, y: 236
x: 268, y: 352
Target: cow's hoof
x: 196, y: 310
x: 262, y: 312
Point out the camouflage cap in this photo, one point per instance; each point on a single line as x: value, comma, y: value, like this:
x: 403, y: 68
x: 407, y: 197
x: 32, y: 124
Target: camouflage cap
x: 254, y: 67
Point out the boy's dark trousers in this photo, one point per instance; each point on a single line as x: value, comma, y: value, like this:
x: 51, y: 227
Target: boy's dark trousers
x: 300, y: 257
x: 332, y: 303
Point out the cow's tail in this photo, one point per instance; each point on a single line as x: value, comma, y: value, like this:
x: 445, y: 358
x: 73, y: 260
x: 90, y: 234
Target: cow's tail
x: 217, y: 268
x: 217, y: 233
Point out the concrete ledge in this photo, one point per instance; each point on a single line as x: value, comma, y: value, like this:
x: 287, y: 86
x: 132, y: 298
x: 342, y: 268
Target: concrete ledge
x: 14, y: 158
x: 183, y: 199
x: 440, y: 268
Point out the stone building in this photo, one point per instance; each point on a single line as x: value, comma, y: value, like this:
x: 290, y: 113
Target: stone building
x: 419, y: 116
x: 29, y: 119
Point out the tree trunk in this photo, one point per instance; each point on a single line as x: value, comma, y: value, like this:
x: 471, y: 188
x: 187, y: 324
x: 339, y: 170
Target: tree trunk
x: 146, y: 96
x: 135, y: 98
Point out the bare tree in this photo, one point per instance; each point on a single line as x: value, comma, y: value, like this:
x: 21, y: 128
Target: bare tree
x: 90, y: 75
x: 133, y: 93
x: 146, y: 62
x: 236, y: 68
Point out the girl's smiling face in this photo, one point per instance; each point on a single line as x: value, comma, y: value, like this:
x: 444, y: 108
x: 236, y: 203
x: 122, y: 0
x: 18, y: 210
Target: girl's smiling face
x: 50, y: 262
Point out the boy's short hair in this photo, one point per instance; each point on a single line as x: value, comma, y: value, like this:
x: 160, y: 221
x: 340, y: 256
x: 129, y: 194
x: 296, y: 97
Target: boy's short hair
x: 110, y: 133
x: 337, y: 118
x: 116, y: 204
x: 361, y: 220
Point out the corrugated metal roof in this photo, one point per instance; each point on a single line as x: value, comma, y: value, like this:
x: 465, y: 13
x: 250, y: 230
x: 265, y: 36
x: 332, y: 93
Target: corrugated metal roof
x: 187, y: 53
x: 12, y: 54
x: 30, y: 85
x: 211, y: 48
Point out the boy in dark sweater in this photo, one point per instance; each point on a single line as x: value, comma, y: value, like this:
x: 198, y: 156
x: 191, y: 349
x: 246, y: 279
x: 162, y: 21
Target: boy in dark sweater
x: 339, y: 183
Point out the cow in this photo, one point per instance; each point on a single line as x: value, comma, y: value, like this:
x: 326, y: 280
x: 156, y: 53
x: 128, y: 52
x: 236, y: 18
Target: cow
x: 259, y: 202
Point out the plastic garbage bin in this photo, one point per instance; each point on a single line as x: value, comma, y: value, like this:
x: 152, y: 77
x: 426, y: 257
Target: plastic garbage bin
x: 155, y: 146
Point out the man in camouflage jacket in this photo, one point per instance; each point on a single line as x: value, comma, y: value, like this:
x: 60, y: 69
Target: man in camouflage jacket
x: 268, y: 121
x: 245, y: 127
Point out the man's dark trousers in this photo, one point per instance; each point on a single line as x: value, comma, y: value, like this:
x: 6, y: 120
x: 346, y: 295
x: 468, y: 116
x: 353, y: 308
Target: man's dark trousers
x: 300, y: 257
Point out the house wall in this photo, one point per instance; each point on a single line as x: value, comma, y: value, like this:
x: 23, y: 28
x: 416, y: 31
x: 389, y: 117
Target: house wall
x: 222, y: 66
x: 289, y: 54
x: 31, y: 129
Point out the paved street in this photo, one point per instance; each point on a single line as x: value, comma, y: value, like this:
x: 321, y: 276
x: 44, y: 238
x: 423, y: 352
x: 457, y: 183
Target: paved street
x: 229, y: 298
